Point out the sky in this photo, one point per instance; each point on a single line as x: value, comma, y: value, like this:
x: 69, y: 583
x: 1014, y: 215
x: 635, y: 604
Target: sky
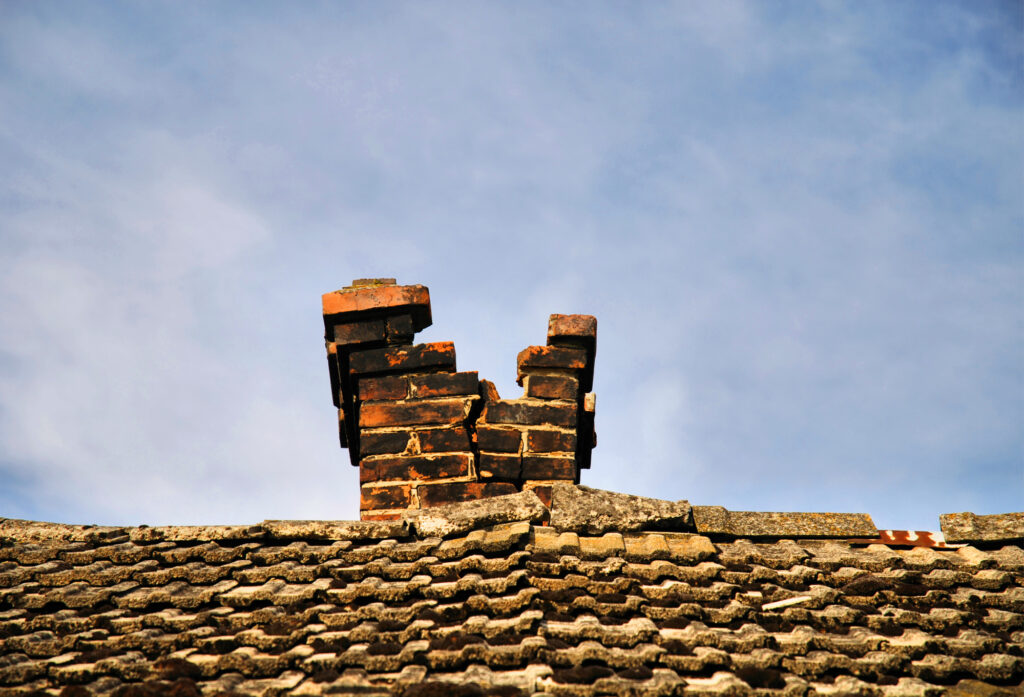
x: 799, y: 225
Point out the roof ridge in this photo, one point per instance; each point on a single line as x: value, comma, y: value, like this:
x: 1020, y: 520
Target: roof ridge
x: 573, y: 508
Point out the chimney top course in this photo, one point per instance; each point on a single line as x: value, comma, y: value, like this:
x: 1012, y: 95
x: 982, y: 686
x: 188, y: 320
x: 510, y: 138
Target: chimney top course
x: 425, y: 435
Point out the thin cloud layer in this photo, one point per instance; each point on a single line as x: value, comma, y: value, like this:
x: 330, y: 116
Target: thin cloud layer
x: 798, y: 227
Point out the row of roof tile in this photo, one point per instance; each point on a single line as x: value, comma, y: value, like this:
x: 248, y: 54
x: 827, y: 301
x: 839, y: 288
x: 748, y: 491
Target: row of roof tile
x: 504, y: 597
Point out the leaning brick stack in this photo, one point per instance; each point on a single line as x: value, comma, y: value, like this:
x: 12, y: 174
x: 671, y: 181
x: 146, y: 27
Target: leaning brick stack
x: 423, y: 434
x: 545, y: 436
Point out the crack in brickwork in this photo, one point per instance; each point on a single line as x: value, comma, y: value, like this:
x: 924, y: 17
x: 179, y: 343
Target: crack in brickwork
x: 424, y: 434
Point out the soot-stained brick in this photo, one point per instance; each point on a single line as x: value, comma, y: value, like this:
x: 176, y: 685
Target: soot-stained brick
x: 427, y: 413
x: 445, y: 384
x: 386, y: 387
x: 499, y: 440
x: 436, y: 356
x: 521, y: 413
x: 383, y: 442
x: 420, y: 467
x: 552, y: 387
x: 552, y: 357
x: 500, y: 466
x: 444, y: 440
x: 546, y: 441
x: 452, y: 492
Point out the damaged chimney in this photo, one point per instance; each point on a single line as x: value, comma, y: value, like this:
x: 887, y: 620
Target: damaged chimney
x: 423, y: 434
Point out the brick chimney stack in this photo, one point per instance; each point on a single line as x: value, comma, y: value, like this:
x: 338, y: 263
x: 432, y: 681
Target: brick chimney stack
x: 423, y: 434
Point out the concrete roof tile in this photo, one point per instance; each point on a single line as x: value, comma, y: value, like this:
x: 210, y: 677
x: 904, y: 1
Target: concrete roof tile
x: 970, y: 527
x: 637, y: 611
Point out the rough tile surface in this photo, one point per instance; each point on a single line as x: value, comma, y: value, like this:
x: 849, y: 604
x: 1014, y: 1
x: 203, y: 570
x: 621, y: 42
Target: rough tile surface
x: 443, y: 521
x: 582, y: 509
x: 960, y: 527
x: 500, y: 608
x: 715, y: 520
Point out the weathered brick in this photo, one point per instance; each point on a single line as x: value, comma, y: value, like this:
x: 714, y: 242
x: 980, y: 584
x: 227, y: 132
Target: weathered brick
x: 334, y: 372
x: 445, y: 384
x: 499, y: 466
x: 415, y: 467
x: 383, y: 299
x: 488, y: 392
x: 543, y: 493
x: 439, y: 411
x: 516, y: 412
x: 552, y: 357
x: 383, y: 442
x: 368, y: 331
x: 579, y: 331
x: 545, y: 441
x: 436, y: 356
x: 571, y: 328
x: 535, y: 467
x: 552, y: 386
x: 401, y: 329
x: 384, y: 497
x: 453, y: 492
x: 444, y: 440
x: 499, y: 440
x: 386, y: 387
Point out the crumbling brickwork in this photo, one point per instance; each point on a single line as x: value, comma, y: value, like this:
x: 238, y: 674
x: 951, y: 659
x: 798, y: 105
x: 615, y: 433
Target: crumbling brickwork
x: 424, y: 434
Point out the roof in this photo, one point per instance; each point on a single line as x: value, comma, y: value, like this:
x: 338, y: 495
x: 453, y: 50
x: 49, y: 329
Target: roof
x: 596, y: 594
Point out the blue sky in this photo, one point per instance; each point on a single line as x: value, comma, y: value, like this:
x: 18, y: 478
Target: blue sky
x: 799, y: 226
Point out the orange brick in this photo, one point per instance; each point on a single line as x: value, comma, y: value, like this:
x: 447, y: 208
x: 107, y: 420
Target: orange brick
x: 386, y: 387
x: 572, y: 326
x: 369, y: 298
x: 436, y: 356
x: 425, y: 413
x: 453, y: 492
x: 384, y: 497
x: 416, y: 467
x: 552, y: 357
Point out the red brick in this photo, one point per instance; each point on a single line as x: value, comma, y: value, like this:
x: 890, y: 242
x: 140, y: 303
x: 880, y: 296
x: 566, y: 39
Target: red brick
x: 383, y: 442
x: 436, y: 356
x: 499, y: 440
x: 499, y: 466
x: 549, y: 467
x: 544, y: 494
x: 454, y: 492
x: 445, y: 384
x: 552, y: 357
x: 571, y: 327
x: 414, y: 467
x: 387, y: 387
x: 382, y: 414
x: 544, y: 441
x: 488, y: 391
x: 444, y: 440
x: 552, y: 387
x: 384, y: 497
x: 366, y: 332
x: 516, y: 412
x: 380, y: 300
